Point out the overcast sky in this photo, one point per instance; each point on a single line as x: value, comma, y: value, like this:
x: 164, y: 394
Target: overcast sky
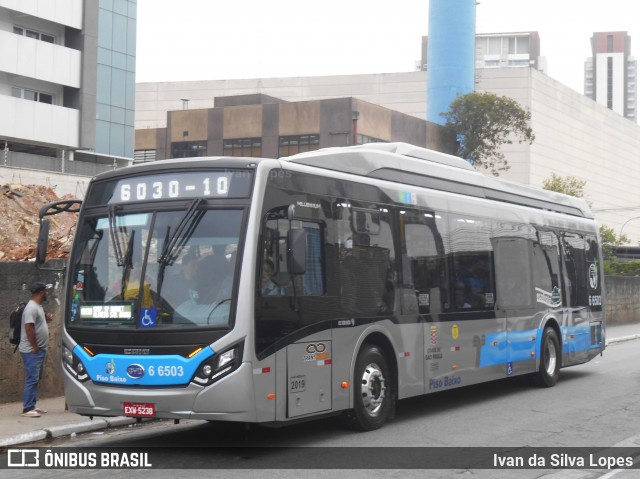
x: 225, y: 39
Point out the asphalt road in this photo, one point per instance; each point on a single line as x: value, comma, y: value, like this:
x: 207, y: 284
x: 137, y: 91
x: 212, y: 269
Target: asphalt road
x: 594, y: 405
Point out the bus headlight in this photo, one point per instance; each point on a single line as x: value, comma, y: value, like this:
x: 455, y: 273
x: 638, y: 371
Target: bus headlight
x: 219, y: 365
x: 73, y: 365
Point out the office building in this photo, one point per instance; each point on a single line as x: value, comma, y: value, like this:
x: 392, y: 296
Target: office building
x: 259, y: 125
x: 611, y: 74
x: 501, y: 50
x: 67, y: 86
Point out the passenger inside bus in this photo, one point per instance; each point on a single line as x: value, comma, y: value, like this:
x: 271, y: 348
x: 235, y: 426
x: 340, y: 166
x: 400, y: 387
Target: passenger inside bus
x: 269, y: 287
x: 182, y: 284
x: 213, y: 283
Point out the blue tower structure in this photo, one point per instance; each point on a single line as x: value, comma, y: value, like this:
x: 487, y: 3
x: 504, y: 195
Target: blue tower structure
x: 450, y: 54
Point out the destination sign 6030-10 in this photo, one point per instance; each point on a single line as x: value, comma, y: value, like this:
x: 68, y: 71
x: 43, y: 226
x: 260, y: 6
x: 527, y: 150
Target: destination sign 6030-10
x: 178, y: 185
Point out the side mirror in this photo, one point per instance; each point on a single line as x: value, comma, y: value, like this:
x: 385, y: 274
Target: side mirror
x: 43, y: 241
x: 297, y: 252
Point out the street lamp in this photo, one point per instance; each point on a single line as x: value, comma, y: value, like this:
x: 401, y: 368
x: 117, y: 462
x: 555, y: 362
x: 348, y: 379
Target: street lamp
x: 622, y: 228
x: 625, y: 223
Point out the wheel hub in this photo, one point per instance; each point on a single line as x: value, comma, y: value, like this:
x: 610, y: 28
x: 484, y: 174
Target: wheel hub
x: 550, y: 357
x: 373, y: 389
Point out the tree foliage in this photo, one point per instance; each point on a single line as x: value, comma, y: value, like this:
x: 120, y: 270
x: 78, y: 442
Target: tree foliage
x: 482, y: 123
x: 628, y: 268
x: 569, y: 185
x: 609, y: 241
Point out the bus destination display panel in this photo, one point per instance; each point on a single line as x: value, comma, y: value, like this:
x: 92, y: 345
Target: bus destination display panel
x: 173, y: 186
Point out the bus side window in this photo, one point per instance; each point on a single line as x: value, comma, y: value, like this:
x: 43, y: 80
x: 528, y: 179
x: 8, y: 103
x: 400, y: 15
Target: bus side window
x: 546, y: 270
x: 367, y: 260
x: 575, y: 269
x: 472, y: 279
x: 515, y: 288
x: 424, y: 268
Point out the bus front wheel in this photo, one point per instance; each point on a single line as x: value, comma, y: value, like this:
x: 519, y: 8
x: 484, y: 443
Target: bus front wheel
x: 550, y: 357
x: 373, y: 400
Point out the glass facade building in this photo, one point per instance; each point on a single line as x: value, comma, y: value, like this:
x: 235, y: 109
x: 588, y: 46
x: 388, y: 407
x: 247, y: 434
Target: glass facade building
x: 115, y: 87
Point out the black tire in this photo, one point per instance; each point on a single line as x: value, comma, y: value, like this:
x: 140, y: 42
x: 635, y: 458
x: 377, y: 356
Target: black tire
x: 550, y: 359
x: 373, y: 398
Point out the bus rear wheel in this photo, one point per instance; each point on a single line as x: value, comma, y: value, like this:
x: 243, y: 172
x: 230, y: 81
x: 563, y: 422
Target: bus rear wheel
x: 550, y: 358
x: 373, y: 400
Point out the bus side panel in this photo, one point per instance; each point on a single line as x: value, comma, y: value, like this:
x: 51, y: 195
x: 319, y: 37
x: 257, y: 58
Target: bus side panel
x: 461, y: 353
x: 264, y: 385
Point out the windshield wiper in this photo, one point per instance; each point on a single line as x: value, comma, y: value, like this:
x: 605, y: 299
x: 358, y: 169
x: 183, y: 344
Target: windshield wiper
x: 173, y: 243
x: 182, y: 233
x: 127, y: 262
x: 115, y: 240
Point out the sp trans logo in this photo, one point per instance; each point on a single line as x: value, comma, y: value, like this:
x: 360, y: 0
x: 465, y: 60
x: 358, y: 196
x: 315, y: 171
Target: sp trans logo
x: 71, y: 458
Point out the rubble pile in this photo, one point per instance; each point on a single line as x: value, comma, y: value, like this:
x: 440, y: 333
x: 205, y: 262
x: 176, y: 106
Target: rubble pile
x: 19, y: 223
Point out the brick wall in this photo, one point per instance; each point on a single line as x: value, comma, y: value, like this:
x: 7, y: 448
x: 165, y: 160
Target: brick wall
x: 15, y: 281
x: 622, y: 295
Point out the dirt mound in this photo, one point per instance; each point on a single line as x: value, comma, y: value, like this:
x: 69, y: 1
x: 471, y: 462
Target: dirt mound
x: 19, y: 223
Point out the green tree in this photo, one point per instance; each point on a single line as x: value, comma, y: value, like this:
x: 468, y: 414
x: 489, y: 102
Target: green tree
x: 482, y: 123
x: 569, y: 185
x: 610, y: 241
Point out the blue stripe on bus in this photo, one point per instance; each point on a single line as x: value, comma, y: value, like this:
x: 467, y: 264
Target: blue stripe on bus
x: 132, y: 370
x: 523, y: 343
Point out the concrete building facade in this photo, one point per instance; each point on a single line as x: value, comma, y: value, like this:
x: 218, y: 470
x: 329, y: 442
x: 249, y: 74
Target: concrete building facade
x: 500, y: 50
x: 259, y: 125
x: 67, y: 85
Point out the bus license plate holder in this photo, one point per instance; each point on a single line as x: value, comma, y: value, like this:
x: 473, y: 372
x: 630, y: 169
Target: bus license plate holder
x: 137, y: 409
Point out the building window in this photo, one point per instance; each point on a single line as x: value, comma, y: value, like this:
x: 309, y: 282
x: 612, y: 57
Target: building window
x: 188, y: 149
x: 34, y: 34
x: 249, y: 147
x: 522, y: 45
x: 610, y: 83
x: 609, y: 43
x: 495, y: 46
x: 144, y: 156
x: 364, y: 139
x: 31, y: 95
x: 292, y: 145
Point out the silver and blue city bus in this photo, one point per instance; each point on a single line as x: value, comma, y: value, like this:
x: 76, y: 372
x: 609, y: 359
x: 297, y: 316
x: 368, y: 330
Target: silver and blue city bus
x: 339, y: 280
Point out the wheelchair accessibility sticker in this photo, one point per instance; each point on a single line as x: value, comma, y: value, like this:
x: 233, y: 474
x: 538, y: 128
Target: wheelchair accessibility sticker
x: 148, y: 317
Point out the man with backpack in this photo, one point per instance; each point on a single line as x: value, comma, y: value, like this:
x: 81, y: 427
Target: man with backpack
x: 34, y: 340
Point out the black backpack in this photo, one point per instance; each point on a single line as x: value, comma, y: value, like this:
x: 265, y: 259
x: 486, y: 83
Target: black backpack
x: 15, y: 324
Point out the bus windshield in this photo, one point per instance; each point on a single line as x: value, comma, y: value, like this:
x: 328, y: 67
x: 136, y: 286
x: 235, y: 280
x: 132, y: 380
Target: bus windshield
x: 155, y: 270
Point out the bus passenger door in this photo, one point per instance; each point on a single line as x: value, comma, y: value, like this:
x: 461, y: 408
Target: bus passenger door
x: 308, y: 378
x: 515, y: 293
x: 577, y: 276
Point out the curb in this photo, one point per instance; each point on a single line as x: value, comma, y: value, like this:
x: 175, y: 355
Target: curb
x: 66, y: 430
x: 623, y: 339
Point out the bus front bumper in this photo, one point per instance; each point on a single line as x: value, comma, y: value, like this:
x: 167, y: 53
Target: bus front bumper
x: 229, y: 399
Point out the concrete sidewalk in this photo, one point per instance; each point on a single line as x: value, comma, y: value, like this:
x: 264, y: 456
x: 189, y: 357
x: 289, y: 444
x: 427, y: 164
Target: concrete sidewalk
x: 15, y: 429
